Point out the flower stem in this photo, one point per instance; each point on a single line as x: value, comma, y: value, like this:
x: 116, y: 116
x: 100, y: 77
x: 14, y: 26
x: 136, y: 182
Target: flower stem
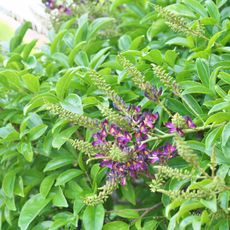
x: 184, y: 130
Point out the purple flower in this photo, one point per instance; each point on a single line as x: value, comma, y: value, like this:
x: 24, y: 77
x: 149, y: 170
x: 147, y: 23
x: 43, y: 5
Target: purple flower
x: 99, y: 137
x: 123, y: 139
x: 114, y: 130
x: 189, y: 122
x: 173, y: 128
x: 149, y: 119
x: 68, y: 11
x: 152, y: 93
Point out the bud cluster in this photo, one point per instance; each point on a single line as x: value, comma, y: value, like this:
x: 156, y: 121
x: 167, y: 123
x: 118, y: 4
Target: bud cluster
x: 166, y: 79
x: 177, y: 23
x: 105, y: 192
x: 77, y: 119
x: 100, y: 82
x: 150, y: 91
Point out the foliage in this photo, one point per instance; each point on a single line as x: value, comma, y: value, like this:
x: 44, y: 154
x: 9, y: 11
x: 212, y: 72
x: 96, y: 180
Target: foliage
x: 152, y: 71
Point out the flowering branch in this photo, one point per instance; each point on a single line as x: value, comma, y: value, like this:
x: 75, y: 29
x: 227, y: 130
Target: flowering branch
x: 197, y: 129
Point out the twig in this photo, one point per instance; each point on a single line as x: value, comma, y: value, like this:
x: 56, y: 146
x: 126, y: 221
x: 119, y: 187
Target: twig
x: 184, y: 130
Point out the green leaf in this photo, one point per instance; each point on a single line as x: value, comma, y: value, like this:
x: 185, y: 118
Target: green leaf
x: 74, y: 52
x: 211, y: 139
x: 218, y: 118
x: 115, y: 225
x: 54, y: 44
x: 128, y: 192
x: 210, y: 204
x: 59, y: 199
x: 37, y: 132
x: 219, y: 106
x: 176, y: 106
x: 196, y: 6
x: 197, y: 89
x: 124, y: 42
x: 73, y: 104
x: 225, y: 77
x: 154, y: 56
x: 98, y: 24
x: 19, y: 187
x: 212, y: 40
x: 19, y: 35
x: 8, y: 183
x: 47, y: 184
x: 203, y: 71
x: 58, y: 163
x: 63, y: 84
x: 25, y: 148
x: 38, y: 101
x: 31, y: 210
x: 180, y: 41
x: 67, y: 176
x: 151, y: 224
x: 188, y: 206
x: 28, y: 48
x: 82, y: 59
x: 32, y: 82
x: 193, y: 105
x: 226, y: 134
x: 60, y: 138
x: 224, y: 200
x: 8, y: 133
x: 93, y: 217
x: 127, y: 213
x: 99, y: 58
x: 170, y: 57
x: 138, y: 41
x: 213, y: 10
x: 190, y: 220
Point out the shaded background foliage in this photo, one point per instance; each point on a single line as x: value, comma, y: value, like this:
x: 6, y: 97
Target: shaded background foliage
x: 44, y: 179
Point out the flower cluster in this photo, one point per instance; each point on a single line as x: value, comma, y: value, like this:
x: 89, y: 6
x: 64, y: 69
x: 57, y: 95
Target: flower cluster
x: 178, y: 123
x: 178, y: 23
x: 126, y: 154
x: 53, y: 5
x: 150, y: 91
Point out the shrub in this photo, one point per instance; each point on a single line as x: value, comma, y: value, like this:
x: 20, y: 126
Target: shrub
x: 125, y: 130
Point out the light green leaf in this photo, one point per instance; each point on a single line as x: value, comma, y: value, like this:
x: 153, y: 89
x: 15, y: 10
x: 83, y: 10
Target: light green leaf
x: 31, y: 210
x: 59, y: 199
x: 219, y: 106
x: 25, y: 148
x: 58, y: 163
x: 98, y: 24
x: 47, y: 184
x: 67, y: 176
x: 124, y: 42
x: 127, y: 213
x: 203, y: 71
x: 93, y: 217
x: 73, y: 104
x: 128, y: 192
x: 63, y: 84
x: 32, y: 82
x: 60, y: 138
x: 224, y: 200
x: 170, y: 57
x: 37, y: 132
x: 19, y: 35
x: 226, y: 134
x: 8, y: 183
x: 115, y: 225
x: 218, y: 118
x: 210, y: 204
